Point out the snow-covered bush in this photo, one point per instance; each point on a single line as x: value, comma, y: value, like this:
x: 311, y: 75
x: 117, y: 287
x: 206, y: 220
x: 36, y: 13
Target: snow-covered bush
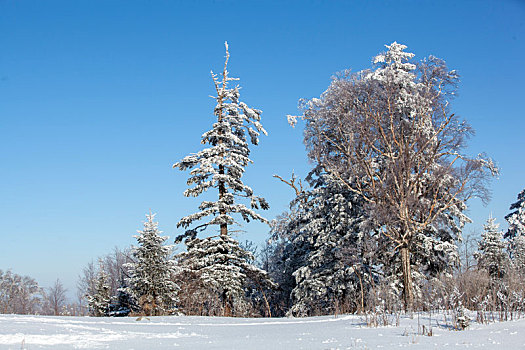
x: 462, y: 320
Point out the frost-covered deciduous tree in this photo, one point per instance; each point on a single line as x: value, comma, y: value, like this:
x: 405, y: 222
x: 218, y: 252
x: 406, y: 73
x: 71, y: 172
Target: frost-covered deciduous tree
x: 387, y: 133
x: 222, y: 165
x: 491, y: 255
x: 29, y: 296
x: 86, y: 284
x: 55, y: 298
x: 113, y: 264
x: 219, y: 263
x: 19, y: 294
x: 98, y: 302
x: 150, y: 280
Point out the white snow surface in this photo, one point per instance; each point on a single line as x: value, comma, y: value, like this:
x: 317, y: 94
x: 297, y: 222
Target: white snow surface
x: 185, y: 332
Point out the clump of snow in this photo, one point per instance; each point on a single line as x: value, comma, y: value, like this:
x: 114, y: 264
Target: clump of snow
x: 292, y: 120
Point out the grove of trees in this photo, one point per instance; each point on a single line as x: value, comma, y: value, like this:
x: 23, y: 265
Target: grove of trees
x: 374, y: 228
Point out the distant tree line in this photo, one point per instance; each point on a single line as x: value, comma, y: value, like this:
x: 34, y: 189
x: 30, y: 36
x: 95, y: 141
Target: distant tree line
x: 22, y: 295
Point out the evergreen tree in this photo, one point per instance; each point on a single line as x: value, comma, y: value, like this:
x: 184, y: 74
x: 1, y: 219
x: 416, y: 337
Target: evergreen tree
x: 98, y: 302
x: 221, y: 165
x: 218, y: 262
x: 336, y: 269
x: 225, y: 271
x: 462, y: 319
x: 516, y: 218
x: 321, y: 257
x: 150, y: 280
x: 288, y: 246
x: 491, y: 254
x: 124, y: 300
x: 517, y: 252
x: 287, y: 252
x: 516, y: 231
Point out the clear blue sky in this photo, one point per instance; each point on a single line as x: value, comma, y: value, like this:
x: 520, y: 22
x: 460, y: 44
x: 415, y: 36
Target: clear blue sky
x: 99, y: 98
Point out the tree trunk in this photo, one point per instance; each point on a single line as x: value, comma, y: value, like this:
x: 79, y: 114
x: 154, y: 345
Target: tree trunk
x: 362, y: 291
x: 227, y: 309
x: 267, y: 304
x: 222, y: 192
x: 222, y: 185
x: 408, y: 293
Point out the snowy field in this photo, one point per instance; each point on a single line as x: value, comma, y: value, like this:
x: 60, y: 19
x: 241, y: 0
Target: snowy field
x: 345, y: 332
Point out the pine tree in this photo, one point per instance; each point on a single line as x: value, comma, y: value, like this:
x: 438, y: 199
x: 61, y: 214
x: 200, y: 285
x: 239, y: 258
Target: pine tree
x: 288, y: 247
x: 98, y: 302
x: 319, y: 254
x: 124, y: 300
x: 287, y: 252
x: 516, y: 231
x: 335, y: 274
x: 225, y: 271
x: 491, y: 254
x: 219, y: 261
x: 516, y: 218
x: 150, y: 280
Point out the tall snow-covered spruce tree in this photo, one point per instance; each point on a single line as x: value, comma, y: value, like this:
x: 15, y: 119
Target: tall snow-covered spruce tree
x: 221, y: 165
x: 218, y: 262
x: 150, y: 280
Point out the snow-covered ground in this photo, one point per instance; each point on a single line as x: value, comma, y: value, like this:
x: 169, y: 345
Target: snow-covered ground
x: 344, y: 332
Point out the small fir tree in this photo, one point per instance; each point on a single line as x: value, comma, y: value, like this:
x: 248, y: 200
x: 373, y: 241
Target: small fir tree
x: 98, y: 302
x: 491, y: 254
x: 462, y: 318
x: 150, y: 280
x: 124, y: 299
